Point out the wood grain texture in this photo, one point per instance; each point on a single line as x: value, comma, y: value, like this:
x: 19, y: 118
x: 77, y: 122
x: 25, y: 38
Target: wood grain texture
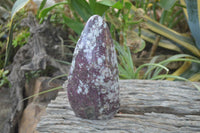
x: 146, y: 107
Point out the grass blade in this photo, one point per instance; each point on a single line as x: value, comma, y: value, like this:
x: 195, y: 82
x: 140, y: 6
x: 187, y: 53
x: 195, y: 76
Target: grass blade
x: 43, y: 92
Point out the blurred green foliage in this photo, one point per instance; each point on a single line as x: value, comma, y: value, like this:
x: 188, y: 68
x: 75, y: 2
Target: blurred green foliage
x: 21, y: 38
x: 3, y: 77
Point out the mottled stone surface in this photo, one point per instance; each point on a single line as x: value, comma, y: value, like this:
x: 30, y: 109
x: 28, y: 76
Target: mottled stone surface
x: 93, y: 88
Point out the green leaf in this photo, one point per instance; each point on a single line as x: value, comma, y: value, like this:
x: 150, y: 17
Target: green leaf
x: 193, y: 11
x: 151, y: 69
x: 192, y: 73
x: 43, y: 92
x: 109, y: 3
x: 184, y: 42
x: 9, y: 45
x: 148, y: 74
x: 127, y: 5
x: 168, y: 76
x: 92, y: 4
x: 57, y: 77
x: 179, y: 57
x: 123, y: 74
x: 140, y: 47
x: 150, y: 36
x: 74, y: 25
x: 19, y: 4
x: 126, y: 66
x: 82, y: 8
x: 196, y: 86
x: 129, y: 60
x: 167, y: 4
x: 64, y: 62
x: 100, y: 9
x: 164, y: 76
x: 42, y: 4
x: 44, y: 12
x: 118, y: 5
x: 41, y: 7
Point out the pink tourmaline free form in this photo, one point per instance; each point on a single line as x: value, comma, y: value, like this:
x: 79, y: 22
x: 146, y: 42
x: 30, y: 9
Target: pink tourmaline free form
x: 93, y: 88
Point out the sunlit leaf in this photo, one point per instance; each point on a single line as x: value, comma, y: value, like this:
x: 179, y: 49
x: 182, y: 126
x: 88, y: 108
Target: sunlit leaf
x: 73, y: 24
x: 175, y: 58
x: 57, y: 77
x: 41, y: 7
x: 164, y: 76
x: 184, y: 41
x: 191, y: 72
x: 107, y: 2
x: 82, y: 8
x: 182, y: 2
x: 150, y: 36
x: 195, y: 85
x: 181, y: 70
x: 193, y: 11
x: 99, y: 8
x: 19, y: 4
x: 118, y: 5
x: 155, y: 65
x: 126, y: 65
x: 44, y: 12
x: 43, y: 92
x: 195, y: 77
x: 167, y: 4
x: 140, y: 46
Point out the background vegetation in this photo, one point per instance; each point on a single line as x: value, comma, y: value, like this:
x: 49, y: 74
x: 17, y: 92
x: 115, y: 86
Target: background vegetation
x: 150, y: 36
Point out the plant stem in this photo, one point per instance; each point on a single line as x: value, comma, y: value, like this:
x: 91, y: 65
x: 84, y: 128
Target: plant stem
x: 155, y: 45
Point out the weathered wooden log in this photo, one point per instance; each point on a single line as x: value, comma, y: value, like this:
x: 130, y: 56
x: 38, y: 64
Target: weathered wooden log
x: 146, y: 106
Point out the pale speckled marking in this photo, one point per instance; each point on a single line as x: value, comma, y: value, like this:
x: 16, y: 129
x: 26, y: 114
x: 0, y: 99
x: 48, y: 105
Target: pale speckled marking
x: 105, y: 25
x: 111, y: 92
x: 72, y: 68
x: 90, y: 43
x: 111, y: 96
x: 103, y: 44
x: 82, y: 88
x: 103, y: 90
x: 94, y: 32
x: 101, y: 110
x: 80, y: 65
x: 100, y: 61
x: 105, y: 72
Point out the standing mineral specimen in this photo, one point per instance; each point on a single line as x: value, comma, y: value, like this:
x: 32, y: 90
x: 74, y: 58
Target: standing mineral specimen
x: 93, y: 88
